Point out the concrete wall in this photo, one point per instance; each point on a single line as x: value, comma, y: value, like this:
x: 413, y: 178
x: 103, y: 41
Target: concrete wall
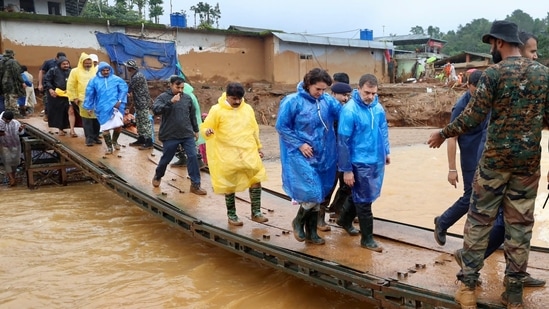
x: 221, y: 58
x: 34, y: 42
x: 293, y: 60
x: 205, y: 57
x: 269, y: 44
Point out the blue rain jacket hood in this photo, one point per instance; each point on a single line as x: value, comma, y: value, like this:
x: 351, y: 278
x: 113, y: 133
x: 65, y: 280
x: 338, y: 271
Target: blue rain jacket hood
x: 363, y: 145
x: 304, y: 119
x: 102, y: 94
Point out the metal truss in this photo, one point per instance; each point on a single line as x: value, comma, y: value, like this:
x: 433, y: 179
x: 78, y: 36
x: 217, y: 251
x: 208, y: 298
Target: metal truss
x: 377, y: 291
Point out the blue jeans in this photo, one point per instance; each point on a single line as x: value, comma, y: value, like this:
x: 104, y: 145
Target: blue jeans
x: 169, y: 149
x: 460, y: 209
x: 461, y: 206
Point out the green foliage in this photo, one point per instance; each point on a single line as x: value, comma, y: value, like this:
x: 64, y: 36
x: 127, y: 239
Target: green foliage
x: 207, y: 14
x: 155, y: 10
x: 468, y: 37
x: 119, y: 11
x: 140, y: 5
x: 417, y: 30
x: 435, y: 32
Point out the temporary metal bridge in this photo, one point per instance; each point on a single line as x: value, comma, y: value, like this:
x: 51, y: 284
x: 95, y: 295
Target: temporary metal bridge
x: 411, y: 273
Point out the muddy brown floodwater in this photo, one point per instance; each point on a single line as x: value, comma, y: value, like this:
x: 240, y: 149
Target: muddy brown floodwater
x: 82, y: 246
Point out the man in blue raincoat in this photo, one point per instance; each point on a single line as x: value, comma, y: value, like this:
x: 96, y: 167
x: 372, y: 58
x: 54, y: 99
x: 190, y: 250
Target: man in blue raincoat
x: 105, y: 93
x: 363, y: 149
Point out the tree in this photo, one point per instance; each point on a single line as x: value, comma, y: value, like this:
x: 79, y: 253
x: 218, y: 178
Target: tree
x: 207, y: 14
x: 434, y: 32
x: 417, y: 30
x: 524, y: 21
x: 468, y: 38
x: 140, y: 6
x: 155, y: 10
x: 101, y: 9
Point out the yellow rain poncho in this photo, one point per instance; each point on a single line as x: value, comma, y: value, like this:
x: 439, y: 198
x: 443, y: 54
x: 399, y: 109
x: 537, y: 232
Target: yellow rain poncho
x: 77, y: 83
x: 233, y: 148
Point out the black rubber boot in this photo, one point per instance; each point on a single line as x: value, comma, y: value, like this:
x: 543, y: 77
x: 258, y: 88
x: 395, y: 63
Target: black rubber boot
x: 148, y: 144
x: 140, y: 141
x: 366, y: 229
x: 298, y: 224
x: 346, y: 217
x: 311, y: 236
x: 322, y: 225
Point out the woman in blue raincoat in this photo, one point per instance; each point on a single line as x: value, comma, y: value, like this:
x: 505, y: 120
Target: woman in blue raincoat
x: 308, y: 153
x: 363, y: 149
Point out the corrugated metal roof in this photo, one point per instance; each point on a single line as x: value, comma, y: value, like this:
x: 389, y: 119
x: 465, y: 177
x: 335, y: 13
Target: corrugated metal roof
x: 461, y: 57
x: 408, y: 39
x: 251, y: 29
x: 478, y: 54
x: 322, y: 40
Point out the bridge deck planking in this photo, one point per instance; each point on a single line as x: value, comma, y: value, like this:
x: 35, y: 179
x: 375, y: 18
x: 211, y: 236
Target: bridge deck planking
x: 410, y: 254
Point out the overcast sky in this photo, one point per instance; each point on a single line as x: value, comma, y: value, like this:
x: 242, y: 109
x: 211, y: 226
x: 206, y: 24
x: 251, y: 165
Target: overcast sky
x: 344, y: 18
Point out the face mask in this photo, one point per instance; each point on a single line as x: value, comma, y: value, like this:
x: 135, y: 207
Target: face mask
x: 496, y: 56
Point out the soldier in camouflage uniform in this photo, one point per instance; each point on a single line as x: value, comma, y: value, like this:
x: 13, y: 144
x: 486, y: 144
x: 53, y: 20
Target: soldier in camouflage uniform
x: 139, y: 90
x: 516, y: 90
x: 11, y: 82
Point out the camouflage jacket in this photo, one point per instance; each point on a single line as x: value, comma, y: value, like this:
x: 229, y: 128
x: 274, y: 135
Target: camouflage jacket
x: 516, y: 90
x: 140, y: 91
x: 10, y: 77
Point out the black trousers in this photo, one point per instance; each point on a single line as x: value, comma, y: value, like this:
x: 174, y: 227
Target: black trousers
x: 91, y: 129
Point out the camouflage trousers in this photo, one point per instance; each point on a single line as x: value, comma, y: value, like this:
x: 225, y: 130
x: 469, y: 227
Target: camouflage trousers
x: 516, y: 194
x: 143, y: 123
x: 11, y: 104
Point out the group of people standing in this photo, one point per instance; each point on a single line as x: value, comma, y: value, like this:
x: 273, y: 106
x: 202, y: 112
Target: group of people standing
x: 312, y: 154
x: 343, y: 136
x: 506, y: 111
x: 86, y: 96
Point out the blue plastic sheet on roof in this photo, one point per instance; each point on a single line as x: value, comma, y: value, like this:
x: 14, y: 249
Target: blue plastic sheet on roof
x: 121, y: 48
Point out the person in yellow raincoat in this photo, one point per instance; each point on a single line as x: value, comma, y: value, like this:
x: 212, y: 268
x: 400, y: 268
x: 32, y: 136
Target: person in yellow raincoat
x: 76, y: 91
x: 234, y: 151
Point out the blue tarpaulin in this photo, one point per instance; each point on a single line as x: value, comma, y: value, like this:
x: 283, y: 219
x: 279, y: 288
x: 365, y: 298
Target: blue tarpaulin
x: 121, y: 48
